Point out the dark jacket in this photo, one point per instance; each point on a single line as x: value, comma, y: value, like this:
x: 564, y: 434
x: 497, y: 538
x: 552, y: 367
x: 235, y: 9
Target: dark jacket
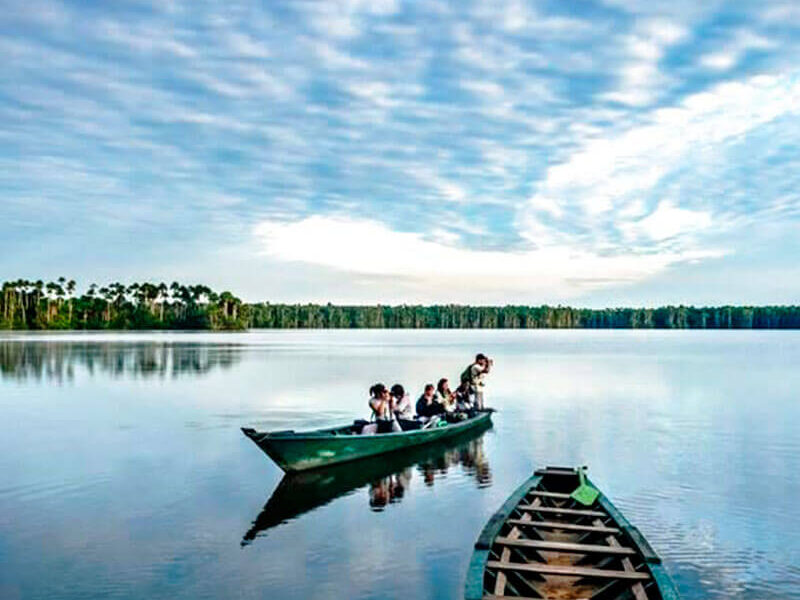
x: 428, y: 410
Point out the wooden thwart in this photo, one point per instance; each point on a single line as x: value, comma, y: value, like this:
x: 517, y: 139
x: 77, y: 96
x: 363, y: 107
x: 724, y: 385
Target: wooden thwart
x: 566, y: 570
x: 566, y: 547
x: 563, y: 511
x: 556, y: 495
x: 565, y: 526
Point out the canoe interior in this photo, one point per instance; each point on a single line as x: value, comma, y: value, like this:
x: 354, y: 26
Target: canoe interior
x: 542, y: 544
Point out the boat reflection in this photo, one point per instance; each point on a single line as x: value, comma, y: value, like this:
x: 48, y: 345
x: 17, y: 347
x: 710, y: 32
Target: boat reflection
x: 388, y: 478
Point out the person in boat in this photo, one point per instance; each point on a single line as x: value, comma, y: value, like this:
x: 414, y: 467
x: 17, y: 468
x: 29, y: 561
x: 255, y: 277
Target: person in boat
x: 380, y: 403
x: 427, y: 406
x: 462, y: 394
x: 475, y: 375
x: 401, y: 403
x: 445, y: 396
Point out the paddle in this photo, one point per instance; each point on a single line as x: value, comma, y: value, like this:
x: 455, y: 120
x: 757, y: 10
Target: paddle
x: 584, y: 494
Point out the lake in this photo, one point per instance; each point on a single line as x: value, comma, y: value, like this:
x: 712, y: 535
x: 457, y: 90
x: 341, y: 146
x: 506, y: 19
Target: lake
x: 124, y: 473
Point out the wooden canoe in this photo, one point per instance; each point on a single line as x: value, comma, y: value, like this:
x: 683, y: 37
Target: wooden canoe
x: 542, y: 544
x: 314, y: 449
x: 299, y: 493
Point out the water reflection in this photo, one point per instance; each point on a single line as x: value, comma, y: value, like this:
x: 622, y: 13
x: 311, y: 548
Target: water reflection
x: 59, y: 361
x: 388, y: 478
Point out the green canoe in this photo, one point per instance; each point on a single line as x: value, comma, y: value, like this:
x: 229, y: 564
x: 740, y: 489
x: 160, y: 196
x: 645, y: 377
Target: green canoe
x: 313, y: 449
x: 544, y: 544
x: 299, y: 493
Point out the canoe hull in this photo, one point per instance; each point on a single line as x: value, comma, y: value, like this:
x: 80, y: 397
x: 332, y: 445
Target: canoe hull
x: 301, y: 452
x: 552, y: 553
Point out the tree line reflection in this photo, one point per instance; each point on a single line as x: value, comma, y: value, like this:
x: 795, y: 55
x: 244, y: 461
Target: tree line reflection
x: 59, y: 361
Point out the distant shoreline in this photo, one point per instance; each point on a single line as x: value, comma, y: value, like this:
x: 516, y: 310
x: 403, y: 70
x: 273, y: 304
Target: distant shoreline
x: 55, y: 306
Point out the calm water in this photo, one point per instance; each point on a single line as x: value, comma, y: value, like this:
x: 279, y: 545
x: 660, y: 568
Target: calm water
x: 123, y: 473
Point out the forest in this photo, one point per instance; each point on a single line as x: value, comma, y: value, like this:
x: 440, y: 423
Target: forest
x: 454, y: 316
x: 55, y: 305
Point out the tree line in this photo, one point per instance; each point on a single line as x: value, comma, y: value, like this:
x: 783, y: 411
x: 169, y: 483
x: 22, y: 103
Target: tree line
x: 453, y: 316
x: 55, y: 305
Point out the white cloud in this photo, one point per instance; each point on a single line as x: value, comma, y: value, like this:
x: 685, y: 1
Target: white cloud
x: 609, y: 177
x: 639, y: 78
x: 730, y: 53
x: 547, y: 205
x: 365, y: 247
x: 668, y: 221
x: 720, y: 61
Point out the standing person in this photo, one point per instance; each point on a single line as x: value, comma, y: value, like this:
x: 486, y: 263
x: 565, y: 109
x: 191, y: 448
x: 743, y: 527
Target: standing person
x: 474, y: 376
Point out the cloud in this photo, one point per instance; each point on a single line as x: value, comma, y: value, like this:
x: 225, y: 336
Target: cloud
x: 365, y: 247
x: 668, y: 221
x: 631, y: 129
x: 609, y: 183
x: 640, y: 78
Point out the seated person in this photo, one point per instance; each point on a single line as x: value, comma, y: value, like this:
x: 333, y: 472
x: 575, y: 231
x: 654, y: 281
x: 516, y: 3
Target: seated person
x: 381, y: 404
x: 427, y: 406
x: 401, y: 402
x: 445, y: 396
x: 462, y: 394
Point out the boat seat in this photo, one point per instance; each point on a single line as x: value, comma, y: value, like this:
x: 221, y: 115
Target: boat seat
x: 562, y: 511
x: 567, y: 547
x: 565, y: 526
x: 567, y: 570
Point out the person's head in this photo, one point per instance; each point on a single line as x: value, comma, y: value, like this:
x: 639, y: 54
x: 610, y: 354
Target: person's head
x: 429, y: 389
x: 398, y: 391
x: 481, y: 359
x: 378, y: 391
x: 443, y: 386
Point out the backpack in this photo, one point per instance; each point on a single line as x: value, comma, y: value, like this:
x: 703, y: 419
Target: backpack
x: 466, y: 376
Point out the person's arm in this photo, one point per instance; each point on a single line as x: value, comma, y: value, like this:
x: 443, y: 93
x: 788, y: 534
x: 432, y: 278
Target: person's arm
x: 376, y: 404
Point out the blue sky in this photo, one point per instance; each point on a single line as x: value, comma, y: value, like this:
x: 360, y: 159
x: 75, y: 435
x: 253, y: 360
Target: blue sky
x: 591, y: 153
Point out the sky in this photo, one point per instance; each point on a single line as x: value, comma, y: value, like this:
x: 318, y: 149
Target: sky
x: 592, y: 153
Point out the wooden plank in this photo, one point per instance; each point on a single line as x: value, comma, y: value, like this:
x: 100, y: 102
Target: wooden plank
x: 567, y: 570
x: 564, y: 526
x: 505, y: 555
x: 567, y: 547
x: 563, y: 511
x: 636, y: 588
x: 552, y: 471
x: 556, y: 495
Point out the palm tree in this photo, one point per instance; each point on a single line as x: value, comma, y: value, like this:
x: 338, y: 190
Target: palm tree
x: 162, y: 297
x: 70, y: 292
